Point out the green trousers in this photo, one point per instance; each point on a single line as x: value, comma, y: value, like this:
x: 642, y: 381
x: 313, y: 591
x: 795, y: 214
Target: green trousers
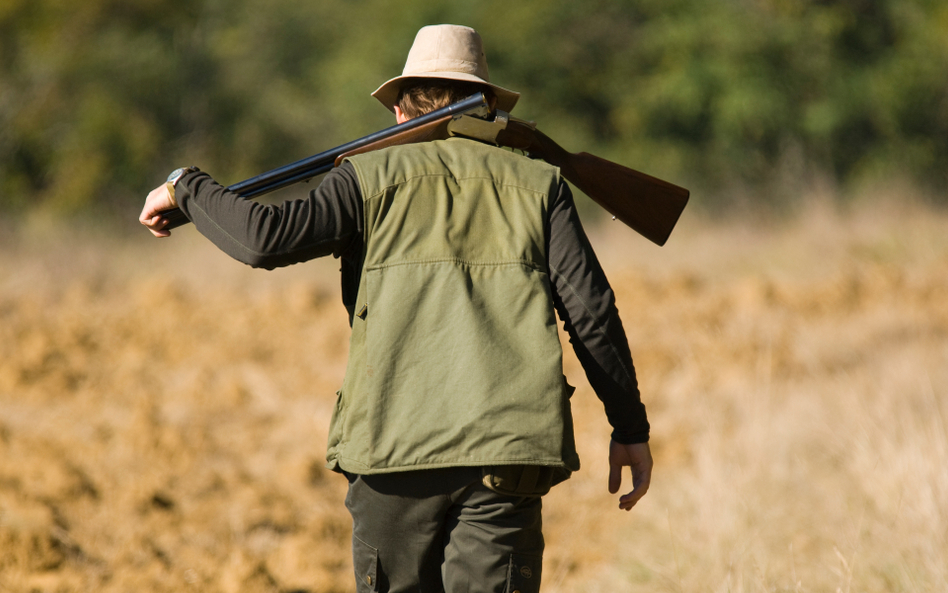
x: 437, y: 531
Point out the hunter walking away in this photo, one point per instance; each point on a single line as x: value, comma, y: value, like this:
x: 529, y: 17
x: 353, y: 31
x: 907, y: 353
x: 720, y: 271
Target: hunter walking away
x: 457, y: 256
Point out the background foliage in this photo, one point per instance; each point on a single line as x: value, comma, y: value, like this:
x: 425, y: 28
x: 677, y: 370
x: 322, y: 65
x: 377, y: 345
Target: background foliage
x: 99, y: 99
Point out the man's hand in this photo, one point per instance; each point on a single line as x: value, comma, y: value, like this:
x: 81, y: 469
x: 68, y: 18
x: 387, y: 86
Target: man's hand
x: 158, y: 200
x: 639, y: 458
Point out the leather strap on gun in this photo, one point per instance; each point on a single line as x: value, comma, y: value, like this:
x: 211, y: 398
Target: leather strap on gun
x: 648, y: 205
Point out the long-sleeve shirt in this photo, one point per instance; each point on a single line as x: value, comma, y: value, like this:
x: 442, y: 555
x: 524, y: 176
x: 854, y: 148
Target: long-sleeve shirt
x: 330, y: 221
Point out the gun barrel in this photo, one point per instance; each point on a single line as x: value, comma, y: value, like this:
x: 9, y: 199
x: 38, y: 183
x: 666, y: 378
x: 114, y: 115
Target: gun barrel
x: 321, y: 163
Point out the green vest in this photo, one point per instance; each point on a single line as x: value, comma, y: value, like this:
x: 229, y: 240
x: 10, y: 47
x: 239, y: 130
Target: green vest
x: 454, y: 357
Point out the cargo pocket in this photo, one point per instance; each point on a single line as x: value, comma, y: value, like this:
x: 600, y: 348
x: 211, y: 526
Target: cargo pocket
x: 365, y: 559
x: 523, y: 574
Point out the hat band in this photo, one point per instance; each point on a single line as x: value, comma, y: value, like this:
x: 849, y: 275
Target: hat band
x: 444, y: 65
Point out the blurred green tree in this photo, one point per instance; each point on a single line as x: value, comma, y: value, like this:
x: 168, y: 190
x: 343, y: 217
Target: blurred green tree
x: 100, y: 98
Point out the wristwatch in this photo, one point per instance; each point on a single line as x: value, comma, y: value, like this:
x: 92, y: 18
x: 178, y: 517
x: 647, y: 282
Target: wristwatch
x: 173, y: 179
x: 177, y: 174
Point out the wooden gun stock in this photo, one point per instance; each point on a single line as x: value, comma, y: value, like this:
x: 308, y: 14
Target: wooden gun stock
x: 648, y: 205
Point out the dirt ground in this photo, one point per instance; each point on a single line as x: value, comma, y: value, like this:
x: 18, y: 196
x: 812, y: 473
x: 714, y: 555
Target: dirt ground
x: 163, y: 414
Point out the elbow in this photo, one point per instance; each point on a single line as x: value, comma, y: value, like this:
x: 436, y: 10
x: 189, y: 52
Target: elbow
x: 258, y: 260
x: 262, y: 263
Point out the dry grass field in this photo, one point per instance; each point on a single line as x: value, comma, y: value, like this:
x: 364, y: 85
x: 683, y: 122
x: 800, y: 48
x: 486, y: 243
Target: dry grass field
x: 163, y: 414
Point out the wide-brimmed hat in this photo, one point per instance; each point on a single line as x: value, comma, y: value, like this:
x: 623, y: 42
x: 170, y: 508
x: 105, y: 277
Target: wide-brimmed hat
x: 448, y: 52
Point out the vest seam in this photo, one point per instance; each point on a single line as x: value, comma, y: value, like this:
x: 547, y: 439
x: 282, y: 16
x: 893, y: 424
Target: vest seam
x: 446, y: 462
x: 497, y: 182
x: 510, y: 262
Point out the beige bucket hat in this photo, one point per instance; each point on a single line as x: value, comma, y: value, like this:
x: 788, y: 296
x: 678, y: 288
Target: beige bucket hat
x: 449, y: 52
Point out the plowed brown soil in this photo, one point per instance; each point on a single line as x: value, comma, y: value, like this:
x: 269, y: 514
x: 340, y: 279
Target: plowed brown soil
x: 163, y: 415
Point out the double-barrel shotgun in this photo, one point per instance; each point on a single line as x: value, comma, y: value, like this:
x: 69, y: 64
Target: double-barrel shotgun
x: 648, y: 205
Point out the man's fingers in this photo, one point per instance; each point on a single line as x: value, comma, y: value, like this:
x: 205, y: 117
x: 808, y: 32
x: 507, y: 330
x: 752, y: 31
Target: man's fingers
x: 628, y: 501
x: 160, y: 233
x: 156, y: 225
x: 615, y: 478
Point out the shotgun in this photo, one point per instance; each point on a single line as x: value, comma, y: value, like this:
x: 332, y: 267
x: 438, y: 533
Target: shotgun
x: 648, y: 205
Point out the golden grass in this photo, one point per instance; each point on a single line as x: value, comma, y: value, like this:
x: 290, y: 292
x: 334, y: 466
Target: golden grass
x: 163, y: 415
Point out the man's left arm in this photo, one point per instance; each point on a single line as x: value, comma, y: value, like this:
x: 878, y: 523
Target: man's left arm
x: 586, y: 304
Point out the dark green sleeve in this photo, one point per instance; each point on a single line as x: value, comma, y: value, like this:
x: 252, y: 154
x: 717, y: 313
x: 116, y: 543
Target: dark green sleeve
x: 329, y: 221
x: 586, y: 304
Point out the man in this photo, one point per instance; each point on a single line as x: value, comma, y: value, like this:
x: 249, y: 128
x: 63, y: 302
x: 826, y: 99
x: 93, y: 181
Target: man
x: 454, y: 415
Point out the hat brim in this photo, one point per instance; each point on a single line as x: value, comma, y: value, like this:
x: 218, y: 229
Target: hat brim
x: 387, y: 94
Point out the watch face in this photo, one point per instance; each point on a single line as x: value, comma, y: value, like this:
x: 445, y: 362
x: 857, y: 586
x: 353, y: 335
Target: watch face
x: 179, y: 173
x: 175, y: 174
